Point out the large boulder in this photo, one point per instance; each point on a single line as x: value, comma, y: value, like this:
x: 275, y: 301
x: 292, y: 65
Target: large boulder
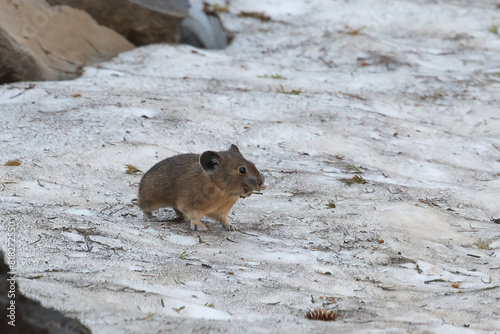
x: 140, y: 21
x: 28, y: 315
x: 39, y: 42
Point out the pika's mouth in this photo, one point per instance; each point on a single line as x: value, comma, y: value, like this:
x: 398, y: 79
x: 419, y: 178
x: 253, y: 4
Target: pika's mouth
x: 250, y: 191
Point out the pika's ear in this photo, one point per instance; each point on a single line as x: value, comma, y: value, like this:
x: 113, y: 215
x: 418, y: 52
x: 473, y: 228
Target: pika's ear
x: 210, y: 161
x: 234, y: 148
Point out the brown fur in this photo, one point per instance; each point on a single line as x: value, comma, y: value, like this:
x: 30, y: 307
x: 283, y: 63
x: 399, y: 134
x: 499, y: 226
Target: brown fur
x: 199, y: 185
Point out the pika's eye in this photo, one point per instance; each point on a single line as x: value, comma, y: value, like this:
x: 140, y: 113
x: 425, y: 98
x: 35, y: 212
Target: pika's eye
x: 243, y: 170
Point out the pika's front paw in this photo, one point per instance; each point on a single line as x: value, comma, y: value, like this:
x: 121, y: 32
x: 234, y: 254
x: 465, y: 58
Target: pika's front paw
x: 197, y: 226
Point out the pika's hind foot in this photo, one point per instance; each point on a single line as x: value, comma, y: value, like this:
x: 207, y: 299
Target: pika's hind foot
x: 229, y: 227
x: 148, y: 216
x: 180, y: 216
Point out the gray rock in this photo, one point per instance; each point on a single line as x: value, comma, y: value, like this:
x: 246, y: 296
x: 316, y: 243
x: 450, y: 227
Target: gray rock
x: 202, y: 30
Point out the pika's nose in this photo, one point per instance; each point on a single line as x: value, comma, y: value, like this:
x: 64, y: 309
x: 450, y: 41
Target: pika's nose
x: 260, y: 180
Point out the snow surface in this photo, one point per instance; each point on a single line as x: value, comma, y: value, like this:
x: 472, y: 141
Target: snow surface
x: 412, y: 102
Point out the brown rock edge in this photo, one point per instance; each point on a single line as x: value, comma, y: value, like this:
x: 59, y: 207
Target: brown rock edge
x: 39, y: 42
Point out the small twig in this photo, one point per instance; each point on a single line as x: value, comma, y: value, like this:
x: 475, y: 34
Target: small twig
x: 36, y: 241
x: 489, y: 282
x: 256, y: 15
x: 253, y: 235
x: 355, y: 96
x: 327, y: 63
x: 178, y: 310
x: 275, y: 303
x: 30, y: 86
x: 148, y: 316
x: 387, y: 287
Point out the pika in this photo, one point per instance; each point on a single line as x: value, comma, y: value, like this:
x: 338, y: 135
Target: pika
x: 199, y: 185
